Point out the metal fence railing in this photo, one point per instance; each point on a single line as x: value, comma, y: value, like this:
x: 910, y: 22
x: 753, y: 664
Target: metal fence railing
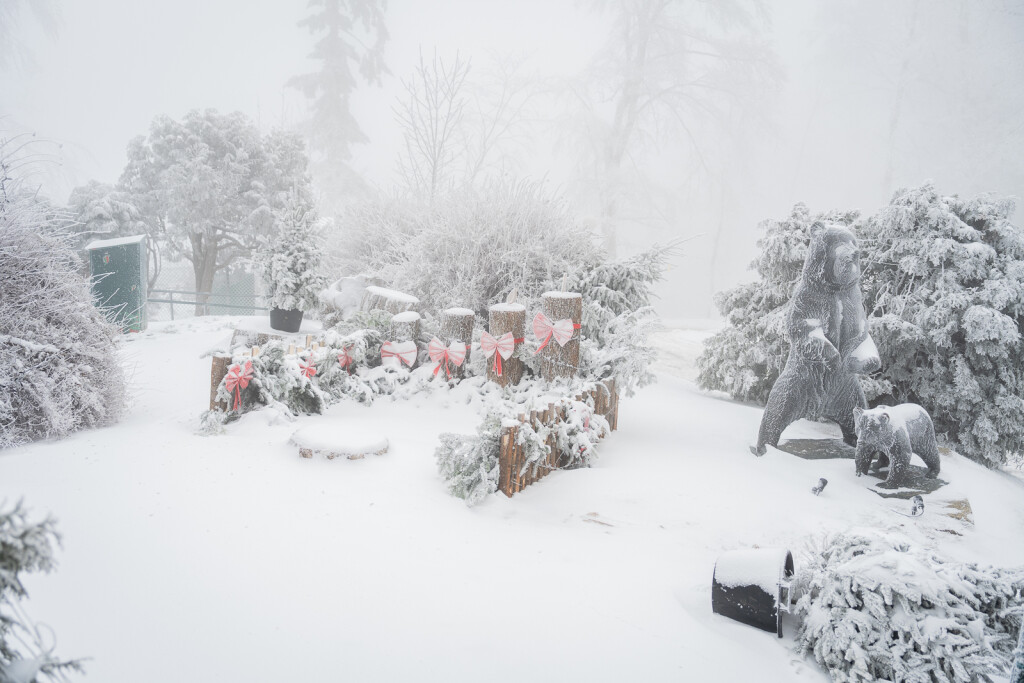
x: 169, y: 304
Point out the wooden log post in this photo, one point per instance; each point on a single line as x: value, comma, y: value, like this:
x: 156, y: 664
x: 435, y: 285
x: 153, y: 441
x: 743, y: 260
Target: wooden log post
x: 218, y: 370
x: 504, y: 318
x: 405, y: 327
x: 457, y: 326
x: 559, y: 361
x: 390, y: 300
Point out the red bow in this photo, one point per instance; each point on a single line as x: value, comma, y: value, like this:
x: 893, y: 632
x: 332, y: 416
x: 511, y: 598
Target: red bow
x: 308, y: 369
x: 500, y: 348
x: 237, y: 379
x: 345, y: 359
x: 544, y: 329
x: 453, y: 353
x: 405, y: 352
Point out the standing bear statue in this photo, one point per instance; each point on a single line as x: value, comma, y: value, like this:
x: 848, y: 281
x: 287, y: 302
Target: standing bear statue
x: 828, y: 342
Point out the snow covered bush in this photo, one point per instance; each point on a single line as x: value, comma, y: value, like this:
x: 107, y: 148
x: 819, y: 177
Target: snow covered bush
x: 469, y: 248
x: 879, y: 608
x: 944, y: 283
x: 25, y: 547
x: 59, y: 370
x: 289, y: 262
x: 745, y: 358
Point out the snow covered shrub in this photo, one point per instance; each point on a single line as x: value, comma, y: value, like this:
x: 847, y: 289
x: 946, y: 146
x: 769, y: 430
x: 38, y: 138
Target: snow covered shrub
x: 289, y: 262
x: 469, y: 464
x: 877, y: 608
x: 945, y: 279
x: 468, y: 248
x: 59, y: 370
x: 745, y: 358
x: 25, y: 547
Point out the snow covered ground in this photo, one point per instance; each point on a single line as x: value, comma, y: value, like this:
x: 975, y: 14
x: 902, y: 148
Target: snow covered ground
x: 230, y: 558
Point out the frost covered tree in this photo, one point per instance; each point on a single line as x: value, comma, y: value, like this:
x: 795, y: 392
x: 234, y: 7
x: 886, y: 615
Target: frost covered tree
x: 350, y: 33
x: 745, y: 358
x: 59, y: 369
x: 876, y: 607
x: 25, y: 547
x: 290, y: 262
x: 209, y: 185
x: 13, y: 50
x: 944, y: 284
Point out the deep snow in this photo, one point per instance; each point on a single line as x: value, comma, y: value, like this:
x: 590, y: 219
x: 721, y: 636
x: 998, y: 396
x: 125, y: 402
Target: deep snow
x: 230, y: 558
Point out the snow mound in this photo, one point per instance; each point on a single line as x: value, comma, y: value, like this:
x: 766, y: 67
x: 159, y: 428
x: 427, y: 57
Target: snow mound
x: 392, y: 294
x: 407, y: 317
x: 335, y: 439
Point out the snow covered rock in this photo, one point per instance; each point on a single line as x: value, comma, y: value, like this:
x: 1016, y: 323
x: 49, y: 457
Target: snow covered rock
x: 336, y: 440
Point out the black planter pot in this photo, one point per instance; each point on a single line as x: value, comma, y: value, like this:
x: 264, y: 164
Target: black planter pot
x: 285, y: 319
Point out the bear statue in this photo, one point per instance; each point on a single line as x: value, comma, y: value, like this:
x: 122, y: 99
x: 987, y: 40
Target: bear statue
x: 829, y: 342
x: 894, y: 434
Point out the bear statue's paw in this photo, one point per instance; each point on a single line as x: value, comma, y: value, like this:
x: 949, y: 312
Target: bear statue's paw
x: 759, y: 450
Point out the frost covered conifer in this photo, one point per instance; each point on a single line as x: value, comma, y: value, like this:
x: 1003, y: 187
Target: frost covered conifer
x: 944, y: 285
x: 746, y: 358
x: 290, y: 262
x: 875, y: 607
x: 25, y: 547
x: 59, y: 370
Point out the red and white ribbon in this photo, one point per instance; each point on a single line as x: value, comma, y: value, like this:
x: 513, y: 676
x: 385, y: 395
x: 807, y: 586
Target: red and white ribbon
x: 345, y: 359
x: 454, y: 353
x: 396, y: 353
x: 501, y: 348
x: 237, y: 379
x: 544, y: 329
x: 308, y: 368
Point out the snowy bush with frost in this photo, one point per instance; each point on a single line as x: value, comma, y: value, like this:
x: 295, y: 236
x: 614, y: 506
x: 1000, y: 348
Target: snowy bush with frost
x: 745, y: 358
x: 59, y: 370
x: 944, y: 283
x: 878, y: 608
x: 290, y: 262
x: 25, y: 653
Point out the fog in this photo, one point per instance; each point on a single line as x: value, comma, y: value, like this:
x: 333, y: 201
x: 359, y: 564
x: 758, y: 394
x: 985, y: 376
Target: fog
x: 832, y: 104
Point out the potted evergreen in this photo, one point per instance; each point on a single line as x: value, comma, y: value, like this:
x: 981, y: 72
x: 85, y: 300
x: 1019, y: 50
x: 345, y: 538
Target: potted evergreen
x: 290, y: 264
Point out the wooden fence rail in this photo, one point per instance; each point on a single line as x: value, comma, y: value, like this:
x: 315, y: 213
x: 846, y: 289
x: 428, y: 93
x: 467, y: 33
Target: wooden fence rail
x: 513, y: 474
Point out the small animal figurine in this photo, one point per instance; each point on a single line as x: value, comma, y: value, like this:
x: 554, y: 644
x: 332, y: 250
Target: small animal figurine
x: 822, y: 483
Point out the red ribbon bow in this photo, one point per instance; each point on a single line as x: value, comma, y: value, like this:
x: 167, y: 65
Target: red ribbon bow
x: 454, y: 353
x: 501, y: 348
x: 308, y: 369
x: 405, y: 352
x: 345, y: 359
x: 544, y: 329
x: 237, y: 379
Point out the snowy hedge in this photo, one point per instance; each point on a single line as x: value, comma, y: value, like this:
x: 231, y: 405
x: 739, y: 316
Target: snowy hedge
x: 59, y: 370
x: 879, y: 608
x: 25, y: 547
x: 943, y: 282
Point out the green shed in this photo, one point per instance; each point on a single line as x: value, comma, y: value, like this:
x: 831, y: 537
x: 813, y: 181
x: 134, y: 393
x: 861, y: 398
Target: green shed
x: 119, y: 277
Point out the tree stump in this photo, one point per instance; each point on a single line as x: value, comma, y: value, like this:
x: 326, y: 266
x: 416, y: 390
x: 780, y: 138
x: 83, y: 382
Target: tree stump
x: 504, y: 318
x: 558, y: 361
x: 405, y: 327
x: 218, y: 370
x: 457, y: 326
x: 390, y: 300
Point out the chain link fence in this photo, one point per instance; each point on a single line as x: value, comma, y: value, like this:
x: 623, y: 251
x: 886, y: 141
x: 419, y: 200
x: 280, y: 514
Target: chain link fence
x: 235, y: 292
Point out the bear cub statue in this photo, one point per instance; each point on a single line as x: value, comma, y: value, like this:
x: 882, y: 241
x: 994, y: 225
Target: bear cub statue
x: 894, y: 434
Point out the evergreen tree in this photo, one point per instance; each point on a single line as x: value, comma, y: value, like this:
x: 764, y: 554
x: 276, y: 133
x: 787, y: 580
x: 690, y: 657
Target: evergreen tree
x: 290, y: 262
x: 350, y: 32
x: 944, y: 283
x: 25, y: 547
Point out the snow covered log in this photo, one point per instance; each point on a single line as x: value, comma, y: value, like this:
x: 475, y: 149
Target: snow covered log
x: 405, y: 327
x: 218, y: 370
x: 333, y: 440
x: 562, y: 360
x: 502, y: 319
x: 457, y: 326
x: 390, y: 300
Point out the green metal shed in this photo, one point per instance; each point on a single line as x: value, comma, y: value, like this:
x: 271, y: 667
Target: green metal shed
x: 119, y: 277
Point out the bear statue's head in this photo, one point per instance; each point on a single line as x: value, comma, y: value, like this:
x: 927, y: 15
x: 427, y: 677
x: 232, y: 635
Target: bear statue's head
x: 874, y: 427
x: 833, y: 260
